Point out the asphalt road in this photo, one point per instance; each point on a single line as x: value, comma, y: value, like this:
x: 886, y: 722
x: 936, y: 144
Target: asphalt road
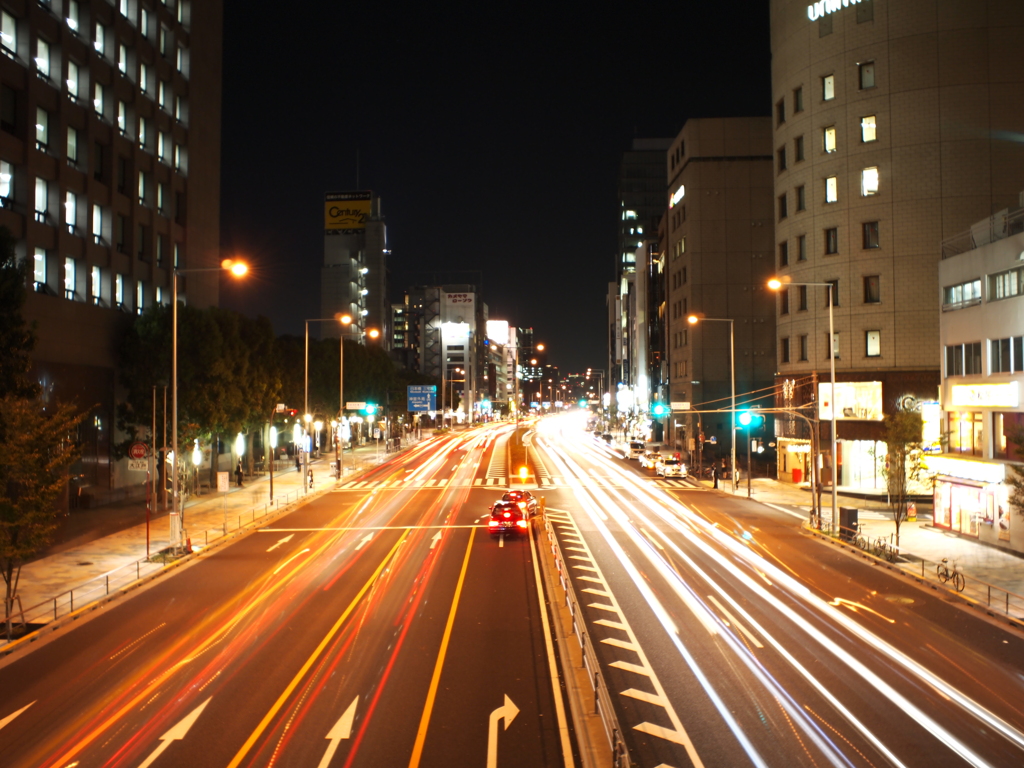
x: 730, y: 638
x: 378, y: 625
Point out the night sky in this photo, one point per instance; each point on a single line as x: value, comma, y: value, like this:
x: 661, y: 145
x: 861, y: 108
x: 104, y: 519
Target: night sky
x: 492, y: 134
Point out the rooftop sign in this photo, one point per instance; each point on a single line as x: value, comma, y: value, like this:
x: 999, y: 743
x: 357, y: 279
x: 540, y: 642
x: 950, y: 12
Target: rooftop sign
x: 822, y: 7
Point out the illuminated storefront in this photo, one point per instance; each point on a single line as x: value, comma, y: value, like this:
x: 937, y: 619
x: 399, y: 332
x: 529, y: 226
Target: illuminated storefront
x: 970, y: 497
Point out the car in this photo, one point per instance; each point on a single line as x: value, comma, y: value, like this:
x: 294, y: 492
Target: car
x: 635, y: 449
x: 670, y: 467
x: 607, y: 437
x: 649, y: 458
x: 526, y: 501
x: 508, y: 518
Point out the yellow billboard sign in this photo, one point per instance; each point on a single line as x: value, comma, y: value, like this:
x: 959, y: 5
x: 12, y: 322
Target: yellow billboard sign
x: 346, y: 211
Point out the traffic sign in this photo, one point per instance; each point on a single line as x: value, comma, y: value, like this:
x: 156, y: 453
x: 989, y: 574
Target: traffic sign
x: 354, y: 406
x: 422, y: 397
x: 138, y: 465
x: 138, y: 451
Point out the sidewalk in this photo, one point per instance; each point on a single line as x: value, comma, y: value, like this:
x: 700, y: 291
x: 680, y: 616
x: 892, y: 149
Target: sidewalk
x: 71, y: 574
x: 919, y: 541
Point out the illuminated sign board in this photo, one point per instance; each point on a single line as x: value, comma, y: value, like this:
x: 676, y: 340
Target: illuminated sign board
x: 346, y: 212
x: 980, y: 471
x: 931, y: 427
x: 1004, y: 395
x: 823, y: 7
x: 855, y: 401
x: 497, y: 331
x: 677, y: 196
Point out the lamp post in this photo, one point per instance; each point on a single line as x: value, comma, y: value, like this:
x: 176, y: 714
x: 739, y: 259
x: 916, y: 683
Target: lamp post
x: 238, y: 269
x: 693, y: 320
x: 775, y: 284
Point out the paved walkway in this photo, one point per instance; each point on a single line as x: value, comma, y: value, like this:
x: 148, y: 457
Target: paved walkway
x: 920, y: 542
x: 62, y: 580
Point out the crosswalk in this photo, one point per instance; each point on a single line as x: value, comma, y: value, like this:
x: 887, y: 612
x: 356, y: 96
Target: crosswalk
x: 491, y: 482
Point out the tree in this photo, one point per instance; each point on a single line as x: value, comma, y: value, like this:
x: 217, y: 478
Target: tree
x: 41, y: 441
x: 16, y: 338
x: 1015, y: 477
x: 902, y: 437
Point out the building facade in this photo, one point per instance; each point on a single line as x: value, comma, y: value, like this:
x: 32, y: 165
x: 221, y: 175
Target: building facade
x: 108, y: 182
x: 894, y: 127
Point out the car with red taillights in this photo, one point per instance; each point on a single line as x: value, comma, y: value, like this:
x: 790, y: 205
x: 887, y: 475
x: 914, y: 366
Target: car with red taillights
x: 508, y: 518
x: 526, y: 501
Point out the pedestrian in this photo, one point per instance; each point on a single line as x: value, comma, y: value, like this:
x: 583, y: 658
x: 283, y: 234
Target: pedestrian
x: 311, y: 479
x: 714, y: 476
x: 238, y: 473
x: 298, y: 464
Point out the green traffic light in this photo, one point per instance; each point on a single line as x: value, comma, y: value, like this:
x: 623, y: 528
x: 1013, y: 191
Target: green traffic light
x: 370, y: 409
x: 745, y: 418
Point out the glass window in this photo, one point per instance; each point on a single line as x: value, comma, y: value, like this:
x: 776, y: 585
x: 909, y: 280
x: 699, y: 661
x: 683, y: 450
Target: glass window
x: 142, y: 187
x: 72, y: 80
x: 783, y: 206
x: 869, y: 182
x: 798, y: 100
x: 831, y: 189
x: 830, y: 139
x: 871, y: 234
x: 98, y: 98
x: 42, y: 128
x: 6, y: 183
x: 162, y: 142
x: 835, y: 344
x: 72, y: 17
x: 867, y: 74
x: 119, y: 291
x: 122, y: 117
x: 780, y: 112
x: 832, y: 292
x: 783, y: 254
x: 140, y: 298
x: 868, y: 128
x: 69, y: 278
x: 828, y: 87
x: 143, y: 132
x: 161, y: 94
x: 144, y: 22
x: 100, y: 41
x: 96, y: 285
x: 97, y: 224
x: 42, y: 199
x: 784, y: 349
x: 781, y: 154
x: 801, y: 294
x: 165, y: 40
x: 872, y: 289
x: 965, y: 433
x: 801, y: 198
x: 798, y: 148
x: 72, y: 146
x: 1006, y: 355
x: 784, y: 301
x: 961, y: 295
x: 803, y: 348
x: 160, y: 197
x: 832, y: 240
x: 180, y: 109
x: 71, y: 211
x: 873, y: 343
x: 143, y: 76
x: 9, y: 33
x: 43, y: 58
x: 1004, y: 285
x: 801, y: 248
x: 39, y: 267
x: 122, y: 58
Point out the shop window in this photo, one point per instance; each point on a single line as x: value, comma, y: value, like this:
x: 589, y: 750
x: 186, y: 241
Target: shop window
x: 1004, y: 427
x: 965, y: 432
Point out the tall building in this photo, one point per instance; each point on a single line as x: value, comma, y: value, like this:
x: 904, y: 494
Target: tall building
x: 894, y: 128
x: 353, y: 280
x: 109, y: 178
x: 717, y: 260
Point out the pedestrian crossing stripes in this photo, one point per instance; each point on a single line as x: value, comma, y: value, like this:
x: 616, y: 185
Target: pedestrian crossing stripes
x: 497, y: 483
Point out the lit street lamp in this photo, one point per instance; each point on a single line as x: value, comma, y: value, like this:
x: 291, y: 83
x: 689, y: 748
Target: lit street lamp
x: 693, y: 320
x: 775, y: 284
x: 238, y: 269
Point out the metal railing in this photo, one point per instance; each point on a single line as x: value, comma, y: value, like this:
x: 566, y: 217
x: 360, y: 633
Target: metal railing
x: 992, y: 596
x: 602, y: 696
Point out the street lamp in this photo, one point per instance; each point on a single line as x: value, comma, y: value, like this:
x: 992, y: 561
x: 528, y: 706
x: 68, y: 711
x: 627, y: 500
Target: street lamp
x: 775, y: 284
x: 237, y: 269
x: 693, y: 320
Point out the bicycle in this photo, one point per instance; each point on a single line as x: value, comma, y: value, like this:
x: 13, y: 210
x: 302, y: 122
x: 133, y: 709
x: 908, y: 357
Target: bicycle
x: 886, y: 549
x: 942, y: 570
x: 860, y: 539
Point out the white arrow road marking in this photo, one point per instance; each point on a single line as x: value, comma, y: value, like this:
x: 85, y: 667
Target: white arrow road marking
x: 437, y: 538
x: 363, y: 541
x: 508, y: 712
x: 341, y: 730
x: 285, y: 540
x: 177, y: 733
x: 13, y: 715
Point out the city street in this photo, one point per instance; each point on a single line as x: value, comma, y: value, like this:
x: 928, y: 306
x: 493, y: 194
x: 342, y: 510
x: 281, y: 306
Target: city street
x: 375, y: 625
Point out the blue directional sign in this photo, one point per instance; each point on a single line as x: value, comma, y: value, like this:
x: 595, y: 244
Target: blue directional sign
x: 422, y: 397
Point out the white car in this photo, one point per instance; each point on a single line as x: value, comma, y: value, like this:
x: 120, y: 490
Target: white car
x: 635, y: 449
x: 670, y: 468
x: 648, y: 459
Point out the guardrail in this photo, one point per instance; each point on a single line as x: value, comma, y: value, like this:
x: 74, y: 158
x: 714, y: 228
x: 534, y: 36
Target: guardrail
x: 978, y: 591
x: 102, y: 586
x: 602, y: 696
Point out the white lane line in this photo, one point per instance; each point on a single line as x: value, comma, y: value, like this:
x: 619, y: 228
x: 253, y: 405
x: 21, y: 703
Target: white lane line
x: 612, y: 624
x: 789, y: 512
x: 599, y: 592
x: 650, y: 698
x: 747, y: 633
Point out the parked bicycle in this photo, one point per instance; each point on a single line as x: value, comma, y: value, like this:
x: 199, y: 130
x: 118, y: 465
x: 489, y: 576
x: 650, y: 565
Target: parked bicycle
x: 860, y: 539
x: 953, y: 574
x: 885, y: 548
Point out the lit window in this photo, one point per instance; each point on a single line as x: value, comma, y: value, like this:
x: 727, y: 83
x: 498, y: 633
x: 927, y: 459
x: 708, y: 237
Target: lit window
x: 143, y: 76
x: 831, y: 189
x: 72, y: 146
x: 70, y: 211
x: 143, y: 132
x: 39, y: 267
x: 160, y: 194
x: 873, y: 343
x: 180, y: 109
x: 867, y: 74
x: 97, y: 224
x: 6, y: 183
x: 42, y: 198
x: 42, y: 128
x: 100, y: 43
x: 144, y: 22
x: 122, y: 58
x: 119, y: 290
x: 830, y: 139
x: 122, y: 117
x: 159, y: 295
x: 43, y: 58
x: 69, y: 278
x: 96, y: 285
x: 868, y: 128
x: 140, y: 297
x: 165, y: 40
x: 122, y: 6
x: 161, y: 146
x: 828, y: 87
x: 177, y: 253
x: 161, y: 94
x: 72, y: 80
x: 182, y: 60
x: 142, y: 187
x: 97, y: 98
x: 835, y: 344
x: 9, y: 33
x: 869, y: 182
x: 178, y: 158
x: 72, y: 17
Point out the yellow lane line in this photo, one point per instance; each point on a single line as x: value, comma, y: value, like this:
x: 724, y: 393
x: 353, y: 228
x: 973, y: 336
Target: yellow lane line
x: 428, y: 707
x: 310, y: 661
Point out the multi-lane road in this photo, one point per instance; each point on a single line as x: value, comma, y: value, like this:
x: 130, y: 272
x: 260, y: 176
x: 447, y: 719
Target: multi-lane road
x: 381, y: 625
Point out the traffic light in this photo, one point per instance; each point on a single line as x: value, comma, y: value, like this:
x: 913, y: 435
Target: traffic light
x: 750, y: 420
x: 659, y: 409
x: 370, y: 408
